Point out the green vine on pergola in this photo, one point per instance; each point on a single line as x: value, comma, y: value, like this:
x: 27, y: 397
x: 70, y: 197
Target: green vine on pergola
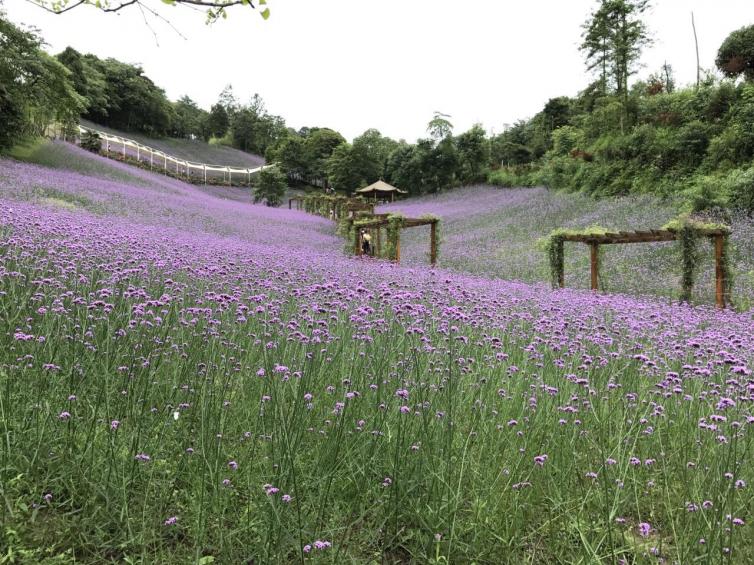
x: 684, y: 229
x: 333, y: 206
x: 393, y: 224
x: 689, y: 230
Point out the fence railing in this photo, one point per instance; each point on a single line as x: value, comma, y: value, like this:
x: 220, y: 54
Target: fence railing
x: 160, y: 159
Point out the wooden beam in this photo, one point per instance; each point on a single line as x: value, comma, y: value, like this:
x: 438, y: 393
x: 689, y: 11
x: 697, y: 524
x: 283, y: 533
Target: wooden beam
x: 398, y: 247
x: 595, y: 265
x: 647, y: 236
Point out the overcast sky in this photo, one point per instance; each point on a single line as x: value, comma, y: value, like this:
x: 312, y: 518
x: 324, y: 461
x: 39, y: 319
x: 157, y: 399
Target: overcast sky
x: 388, y: 64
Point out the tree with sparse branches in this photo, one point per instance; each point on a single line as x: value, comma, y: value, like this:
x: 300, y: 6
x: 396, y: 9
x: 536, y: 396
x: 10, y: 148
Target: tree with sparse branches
x: 214, y: 9
x: 613, y: 39
x: 439, y: 127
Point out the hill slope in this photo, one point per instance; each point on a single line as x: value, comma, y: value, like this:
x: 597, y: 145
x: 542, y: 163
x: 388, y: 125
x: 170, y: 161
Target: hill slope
x: 196, y: 151
x: 493, y: 232
x: 186, y: 378
x: 62, y: 174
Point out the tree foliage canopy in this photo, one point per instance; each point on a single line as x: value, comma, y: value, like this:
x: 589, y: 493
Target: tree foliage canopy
x: 736, y: 55
x: 613, y: 39
x: 270, y: 187
x: 35, y: 89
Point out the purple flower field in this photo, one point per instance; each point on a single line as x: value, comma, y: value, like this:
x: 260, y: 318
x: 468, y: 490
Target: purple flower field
x: 184, y: 377
x: 493, y: 232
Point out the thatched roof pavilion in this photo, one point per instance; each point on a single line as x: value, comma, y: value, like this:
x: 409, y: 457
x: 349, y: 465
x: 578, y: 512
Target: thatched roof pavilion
x: 382, y: 190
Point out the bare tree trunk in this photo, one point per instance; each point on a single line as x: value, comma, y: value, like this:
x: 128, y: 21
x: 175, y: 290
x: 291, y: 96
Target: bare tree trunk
x: 696, y: 42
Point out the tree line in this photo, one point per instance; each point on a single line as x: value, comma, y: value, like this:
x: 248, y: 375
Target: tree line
x: 616, y: 137
x: 648, y: 136
x: 38, y: 89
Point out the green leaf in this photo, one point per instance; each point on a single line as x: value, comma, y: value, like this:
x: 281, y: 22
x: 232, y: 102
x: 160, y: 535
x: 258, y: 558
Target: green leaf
x: 265, y: 13
x: 206, y: 560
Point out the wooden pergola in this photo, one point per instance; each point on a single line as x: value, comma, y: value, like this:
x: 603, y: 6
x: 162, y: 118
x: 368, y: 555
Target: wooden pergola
x: 337, y: 206
x: 376, y: 224
x: 717, y: 235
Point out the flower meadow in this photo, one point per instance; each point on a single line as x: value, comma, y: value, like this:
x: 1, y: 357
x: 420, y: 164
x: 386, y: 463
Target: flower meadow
x: 186, y: 378
x: 493, y: 232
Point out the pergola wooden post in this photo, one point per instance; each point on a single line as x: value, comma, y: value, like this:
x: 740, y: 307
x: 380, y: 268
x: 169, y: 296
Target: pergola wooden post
x: 433, y: 243
x: 595, y: 264
x: 717, y: 235
x: 357, y: 243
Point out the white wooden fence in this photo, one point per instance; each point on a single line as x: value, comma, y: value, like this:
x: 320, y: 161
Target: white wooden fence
x: 161, y: 160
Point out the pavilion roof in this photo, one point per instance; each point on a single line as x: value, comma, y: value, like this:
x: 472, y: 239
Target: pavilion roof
x: 380, y: 186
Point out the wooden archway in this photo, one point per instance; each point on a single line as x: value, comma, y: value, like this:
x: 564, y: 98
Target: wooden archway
x: 717, y: 235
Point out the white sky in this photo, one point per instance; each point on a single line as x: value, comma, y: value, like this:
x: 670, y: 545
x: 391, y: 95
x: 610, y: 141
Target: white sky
x: 388, y: 64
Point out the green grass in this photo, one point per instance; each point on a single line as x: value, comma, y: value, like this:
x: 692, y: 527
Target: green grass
x: 146, y: 339
x: 59, y: 155
x: 192, y: 150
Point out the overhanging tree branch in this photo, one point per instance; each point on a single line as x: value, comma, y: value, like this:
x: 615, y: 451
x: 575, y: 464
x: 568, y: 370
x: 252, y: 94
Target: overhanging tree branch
x: 215, y: 8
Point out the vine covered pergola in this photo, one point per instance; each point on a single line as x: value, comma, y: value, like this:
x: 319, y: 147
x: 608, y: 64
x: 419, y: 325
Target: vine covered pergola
x: 683, y: 230
x: 392, y: 224
x: 333, y: 207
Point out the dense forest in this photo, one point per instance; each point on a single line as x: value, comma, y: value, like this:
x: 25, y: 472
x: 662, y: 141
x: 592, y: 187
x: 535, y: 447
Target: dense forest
x: 618, y: 136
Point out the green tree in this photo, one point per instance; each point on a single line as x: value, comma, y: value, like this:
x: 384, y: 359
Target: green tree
x: 317, y: 149
x: 36, y: 88
x: 425, y: 167
x: 11, y: 117
x: 404, y: 167
x: 88, y: 82
x: 189, y: 119
x: 373, y: 150
x: 253, y: 129
x: 439, y: 127
x: 347, y: 168
x: 217, y: 121
x: 119, y: 95
x: 613, y: 39
x: 736, y: 54
x: 271, y: 187
x: 289, y: 154
x: 473, y: 155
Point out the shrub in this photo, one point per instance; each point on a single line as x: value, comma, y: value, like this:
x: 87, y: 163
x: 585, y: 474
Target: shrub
x: 91, y: 141
x: 271, y: 187
x: 510, y: 177
x: 567, y: 138
x: 706, y: 193
x: 739, y: 188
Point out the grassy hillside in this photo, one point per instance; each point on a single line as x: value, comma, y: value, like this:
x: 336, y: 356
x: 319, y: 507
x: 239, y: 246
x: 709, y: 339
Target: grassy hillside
x: 64, y: 160
x: 189, y: 379
x: 494, y: 232
x: 196, y: 151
